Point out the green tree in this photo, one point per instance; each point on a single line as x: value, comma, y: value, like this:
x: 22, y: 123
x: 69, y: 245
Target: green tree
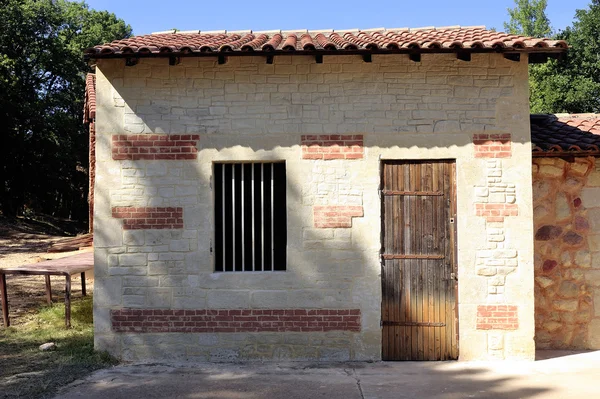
x: 572, y: 84
x: 529, y: 18
x: 42, y: 80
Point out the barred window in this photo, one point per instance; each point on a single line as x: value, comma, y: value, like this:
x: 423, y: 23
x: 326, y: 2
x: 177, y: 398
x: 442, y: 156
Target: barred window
x: 250, y: 216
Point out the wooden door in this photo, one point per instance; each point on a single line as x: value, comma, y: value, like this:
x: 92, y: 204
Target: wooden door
x: 419, y: 313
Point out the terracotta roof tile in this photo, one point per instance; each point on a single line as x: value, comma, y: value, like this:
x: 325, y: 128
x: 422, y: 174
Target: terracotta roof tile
x: 428, y: 39
x: 565, y: 134
x: 89, y: 106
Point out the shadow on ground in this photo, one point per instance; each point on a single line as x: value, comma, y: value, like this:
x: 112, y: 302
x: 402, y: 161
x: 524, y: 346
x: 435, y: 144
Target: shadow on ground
x: 448, y: 380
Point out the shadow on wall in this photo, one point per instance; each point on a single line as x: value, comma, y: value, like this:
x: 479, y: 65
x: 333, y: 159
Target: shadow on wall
x: 334, y: 380
x: 322, y: 272
x: 186, y: 280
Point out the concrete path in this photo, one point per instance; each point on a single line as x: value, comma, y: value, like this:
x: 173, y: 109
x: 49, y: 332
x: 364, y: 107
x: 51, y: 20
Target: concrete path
x: 556, y: 375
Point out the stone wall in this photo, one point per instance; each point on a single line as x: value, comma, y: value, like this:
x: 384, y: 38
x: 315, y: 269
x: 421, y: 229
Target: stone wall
x: 332, y: 124
x: 567, y: 253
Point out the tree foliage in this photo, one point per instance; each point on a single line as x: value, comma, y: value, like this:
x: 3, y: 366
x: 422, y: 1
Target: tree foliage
x: 44, y: 159
x: 529, y: 18
x: 571, y: 84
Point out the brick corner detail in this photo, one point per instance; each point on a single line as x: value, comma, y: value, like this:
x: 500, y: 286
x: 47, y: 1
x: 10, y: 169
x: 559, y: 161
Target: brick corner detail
x: 336, y: 216
x: 136, y: 147
x: 496, y: 212
x: 137, y: 218
x: 332, y: 146
x: 492, y: 145
x: 497, y: 317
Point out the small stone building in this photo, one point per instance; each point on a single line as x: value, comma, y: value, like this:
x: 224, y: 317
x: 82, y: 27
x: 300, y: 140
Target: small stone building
x: 319, y: 195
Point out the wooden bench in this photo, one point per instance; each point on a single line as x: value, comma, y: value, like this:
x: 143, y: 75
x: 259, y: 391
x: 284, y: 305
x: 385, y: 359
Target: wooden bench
x: 76, y: 264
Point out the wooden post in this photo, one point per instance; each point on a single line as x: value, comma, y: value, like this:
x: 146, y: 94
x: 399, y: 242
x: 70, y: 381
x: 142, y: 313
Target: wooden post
x: 48, y: 290
x: 68, y: 301
x: 83, y: 284
x: 4, y: 300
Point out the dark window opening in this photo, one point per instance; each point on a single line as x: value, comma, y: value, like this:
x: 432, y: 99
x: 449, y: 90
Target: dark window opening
x: 250, y: 217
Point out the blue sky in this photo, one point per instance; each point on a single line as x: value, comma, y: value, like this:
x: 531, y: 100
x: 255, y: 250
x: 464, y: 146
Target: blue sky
x: 146, y: 16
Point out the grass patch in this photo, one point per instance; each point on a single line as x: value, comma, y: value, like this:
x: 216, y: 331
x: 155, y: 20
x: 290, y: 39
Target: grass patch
x: 27, y: 372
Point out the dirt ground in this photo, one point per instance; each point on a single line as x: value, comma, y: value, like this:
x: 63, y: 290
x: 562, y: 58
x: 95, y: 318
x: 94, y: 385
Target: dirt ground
x: 24, y: 243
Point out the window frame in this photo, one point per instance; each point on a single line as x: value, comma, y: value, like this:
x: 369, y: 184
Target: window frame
x: 231, y: 267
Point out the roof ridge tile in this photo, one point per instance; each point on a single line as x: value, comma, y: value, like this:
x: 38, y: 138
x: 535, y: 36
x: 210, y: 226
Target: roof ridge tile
x: 213, y: 32
x: 422, y: 28
x: 441, y: 39
x: 164, y: 32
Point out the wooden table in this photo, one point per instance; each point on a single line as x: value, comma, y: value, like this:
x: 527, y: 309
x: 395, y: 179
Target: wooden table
x: 76, y: 264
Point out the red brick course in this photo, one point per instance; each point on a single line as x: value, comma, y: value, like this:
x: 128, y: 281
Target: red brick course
x: 137, y: 218
x: 332, y: 146
x: 492, y: 145
x: 154, y: 147
x: 232, y: 321
x: 336, y: 216
x: 497, y: 317
x: 496, y: 212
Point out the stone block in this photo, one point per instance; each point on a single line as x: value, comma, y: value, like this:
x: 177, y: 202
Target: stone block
x: 579, y: 168
x: 594, y: 334
x: 133, y: 260
x: 566, y: 305
x: 134, y: 301
x: 562, y: 207
x: 544, y: 282
x: 592, y: 278
x: 593, y: 217
x: 269, y: 299
x: 133, y: 237
x: 107, y: 291
x: 550, y: 171
x: 591, y: 197
x: 593, y: 179
x: 228, y: 299
x: 495, y: 341
x: 159, y: 297
x: 596, y: 298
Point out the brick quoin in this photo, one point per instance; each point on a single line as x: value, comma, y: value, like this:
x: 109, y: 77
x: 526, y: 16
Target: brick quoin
x: 492, y: 145
x: 232, y: 321
x: 336, y: 216
x: 154, y: 147
x: 137, y: 218
x: 332, y: 146
x: 496, y: 212
x: 497, y: 317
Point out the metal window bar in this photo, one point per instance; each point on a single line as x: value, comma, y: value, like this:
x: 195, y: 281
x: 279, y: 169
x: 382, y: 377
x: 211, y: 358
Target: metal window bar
x: 253, y: 226
x: 262, y: 215
x: 233, y: 216
x: 243, y: 223
x: 272, y: 219
x: 223, y: 212
x: 236, y: 223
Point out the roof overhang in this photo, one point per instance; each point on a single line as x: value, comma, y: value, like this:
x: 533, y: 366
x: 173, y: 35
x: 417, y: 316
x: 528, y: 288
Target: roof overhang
x: 462, y: 41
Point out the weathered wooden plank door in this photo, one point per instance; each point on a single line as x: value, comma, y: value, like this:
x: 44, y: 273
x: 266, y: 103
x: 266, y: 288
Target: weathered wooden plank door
x: 419, y: 313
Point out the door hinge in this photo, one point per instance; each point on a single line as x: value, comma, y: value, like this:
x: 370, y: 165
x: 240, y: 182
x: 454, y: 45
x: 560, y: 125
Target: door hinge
x: 453, y: 276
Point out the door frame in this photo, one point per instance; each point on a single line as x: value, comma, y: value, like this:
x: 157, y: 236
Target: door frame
x: 453, y: 234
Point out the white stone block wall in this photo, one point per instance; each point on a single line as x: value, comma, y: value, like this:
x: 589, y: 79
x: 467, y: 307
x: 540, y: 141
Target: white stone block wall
x: 247, y: 110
